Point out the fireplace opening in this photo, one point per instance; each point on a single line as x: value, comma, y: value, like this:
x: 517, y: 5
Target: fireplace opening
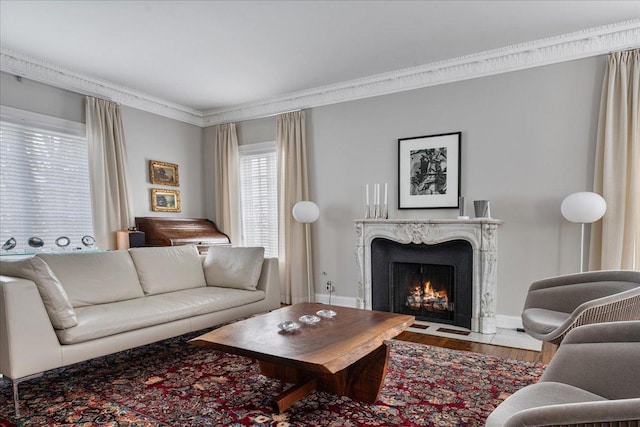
x: 425, y: 291
x: 430, y: 282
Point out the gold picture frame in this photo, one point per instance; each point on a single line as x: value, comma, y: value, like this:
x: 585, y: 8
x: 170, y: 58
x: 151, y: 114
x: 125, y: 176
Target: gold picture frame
x: 165, y: 200
x: 163, y: 173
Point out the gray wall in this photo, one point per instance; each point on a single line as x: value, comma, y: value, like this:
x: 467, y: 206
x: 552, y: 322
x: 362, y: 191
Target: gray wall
x: 153, y: 137
x: 149, y: 137
x: 39, y: 98
x: 528, y: 140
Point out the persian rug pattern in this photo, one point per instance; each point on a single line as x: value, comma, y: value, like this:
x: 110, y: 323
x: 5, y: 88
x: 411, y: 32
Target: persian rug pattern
x: 171, y: 383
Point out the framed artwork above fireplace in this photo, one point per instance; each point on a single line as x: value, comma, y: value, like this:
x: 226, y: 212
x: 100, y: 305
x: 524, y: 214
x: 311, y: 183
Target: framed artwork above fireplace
x: 429, y: 171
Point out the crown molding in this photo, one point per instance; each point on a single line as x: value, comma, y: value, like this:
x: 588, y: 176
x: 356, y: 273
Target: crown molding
x: 582, y: 44
x: 592, y: 42
x: 31, y: 68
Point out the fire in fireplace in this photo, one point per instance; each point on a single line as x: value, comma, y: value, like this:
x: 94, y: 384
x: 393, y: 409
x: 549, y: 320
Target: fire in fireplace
x: 424, y: 296
x: 423, y: 290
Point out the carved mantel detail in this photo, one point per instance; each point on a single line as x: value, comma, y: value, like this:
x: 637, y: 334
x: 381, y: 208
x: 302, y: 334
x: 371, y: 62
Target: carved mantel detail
x: 482, y: 234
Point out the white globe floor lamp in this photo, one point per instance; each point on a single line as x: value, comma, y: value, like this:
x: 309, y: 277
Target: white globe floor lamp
x: 307, y: 212
x: 583, y: 208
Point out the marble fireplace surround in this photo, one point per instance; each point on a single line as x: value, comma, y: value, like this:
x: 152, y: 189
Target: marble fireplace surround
x: 481, y: 233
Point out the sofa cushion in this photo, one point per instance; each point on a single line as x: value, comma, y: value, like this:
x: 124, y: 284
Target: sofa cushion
x: 237, y: 268
x: 543, y: 321
x: 95, y: 277
x: 55, y: 299
x: 168, y: 268
x: 115, y: 318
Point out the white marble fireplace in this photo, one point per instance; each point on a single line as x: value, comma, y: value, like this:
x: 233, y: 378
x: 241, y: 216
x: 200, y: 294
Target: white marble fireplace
x: 481, y: 233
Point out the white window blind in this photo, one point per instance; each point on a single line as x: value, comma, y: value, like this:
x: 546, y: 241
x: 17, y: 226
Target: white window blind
x: 44, y: 181
x: 258, y: 188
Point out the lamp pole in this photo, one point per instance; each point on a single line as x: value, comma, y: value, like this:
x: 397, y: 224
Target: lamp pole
x: 308, y: 239
x: 582, y: 249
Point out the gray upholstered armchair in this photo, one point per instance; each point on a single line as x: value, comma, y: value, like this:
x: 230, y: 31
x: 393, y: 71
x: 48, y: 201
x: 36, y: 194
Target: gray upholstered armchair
x: 556, y: 305
x: 593, y: 380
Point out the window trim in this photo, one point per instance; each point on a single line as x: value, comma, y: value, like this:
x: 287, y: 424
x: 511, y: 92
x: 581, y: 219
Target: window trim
x: 53, y: 124
x: 257, y: 147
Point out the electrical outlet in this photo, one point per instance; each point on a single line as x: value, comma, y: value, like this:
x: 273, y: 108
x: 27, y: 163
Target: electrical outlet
x: 329, y: 286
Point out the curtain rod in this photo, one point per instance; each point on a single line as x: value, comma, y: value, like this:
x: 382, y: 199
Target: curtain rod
x: 624, y: 50
x: 103, y: 99
x: 262, y: 117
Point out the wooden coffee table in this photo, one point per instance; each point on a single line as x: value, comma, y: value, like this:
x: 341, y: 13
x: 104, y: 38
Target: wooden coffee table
x: 346, y: 355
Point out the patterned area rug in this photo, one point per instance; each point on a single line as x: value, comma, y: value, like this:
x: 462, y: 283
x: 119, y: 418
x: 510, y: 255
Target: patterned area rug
x: 172, y: 383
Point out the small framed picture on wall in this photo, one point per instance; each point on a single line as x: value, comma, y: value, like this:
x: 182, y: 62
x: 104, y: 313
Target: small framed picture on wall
x: 165, y: 200
x: 429, y: 171
x: 163, y: 173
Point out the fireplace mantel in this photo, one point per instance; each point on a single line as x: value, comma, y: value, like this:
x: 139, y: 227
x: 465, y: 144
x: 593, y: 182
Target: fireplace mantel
x: 481, y: 233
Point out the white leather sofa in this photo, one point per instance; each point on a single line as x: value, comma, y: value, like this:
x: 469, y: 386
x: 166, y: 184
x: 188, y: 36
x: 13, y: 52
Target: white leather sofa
x: 57, y: 309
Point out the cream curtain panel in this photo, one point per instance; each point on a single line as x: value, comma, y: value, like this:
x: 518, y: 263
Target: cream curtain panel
x: 111, y: 200
x: 226, y: 181
x: 293, y: 186
x: 615, y: 242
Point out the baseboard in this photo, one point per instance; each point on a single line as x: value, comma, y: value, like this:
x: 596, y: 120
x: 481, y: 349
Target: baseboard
x: 502, y: 321
x: 337, y: 300
x: 508, y: 322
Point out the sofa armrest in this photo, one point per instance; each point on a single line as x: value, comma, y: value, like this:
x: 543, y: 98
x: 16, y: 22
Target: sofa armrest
x: 600, y: 358
x: 269, y: 281
x: 28, y: 342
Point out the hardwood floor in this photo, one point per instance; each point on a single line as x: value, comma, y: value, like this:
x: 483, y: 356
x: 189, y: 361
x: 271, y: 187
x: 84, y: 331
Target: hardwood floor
x: 543, y: 356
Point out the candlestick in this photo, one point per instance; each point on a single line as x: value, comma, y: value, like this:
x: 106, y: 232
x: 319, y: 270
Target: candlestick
x: 366, y: 194
x: 385, y: 193
x: 367, y: 207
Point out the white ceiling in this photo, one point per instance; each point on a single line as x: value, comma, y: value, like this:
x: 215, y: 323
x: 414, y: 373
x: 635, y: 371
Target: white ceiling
x: 217, y: 55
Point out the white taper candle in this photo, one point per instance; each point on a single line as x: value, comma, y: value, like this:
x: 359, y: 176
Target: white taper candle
x: 385, y: 193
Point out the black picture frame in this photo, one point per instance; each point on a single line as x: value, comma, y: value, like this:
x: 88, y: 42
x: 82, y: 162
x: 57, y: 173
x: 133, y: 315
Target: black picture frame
x: 429, y: 171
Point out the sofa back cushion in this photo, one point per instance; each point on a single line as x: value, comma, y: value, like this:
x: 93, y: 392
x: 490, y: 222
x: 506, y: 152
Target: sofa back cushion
x: 95, y: 277
x: 238, y: 268
x: 168, y: 268
x: 54, y: 297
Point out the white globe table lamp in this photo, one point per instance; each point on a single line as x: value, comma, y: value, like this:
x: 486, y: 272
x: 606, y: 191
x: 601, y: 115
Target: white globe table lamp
x: 583, y: 208
x: 307, y: 212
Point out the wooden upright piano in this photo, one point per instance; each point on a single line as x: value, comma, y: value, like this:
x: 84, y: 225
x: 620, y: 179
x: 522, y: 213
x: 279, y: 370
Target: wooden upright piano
x: 160, y: 231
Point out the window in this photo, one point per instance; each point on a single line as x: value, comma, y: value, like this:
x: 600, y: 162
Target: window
x: 44, y: 181
x: 258, y: 196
